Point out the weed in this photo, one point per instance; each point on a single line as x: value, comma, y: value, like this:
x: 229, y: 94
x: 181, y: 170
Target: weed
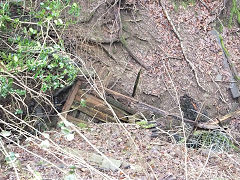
x: 144, y: 124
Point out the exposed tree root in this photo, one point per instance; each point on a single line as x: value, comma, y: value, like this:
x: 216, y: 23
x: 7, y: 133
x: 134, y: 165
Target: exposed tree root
x: 181, y: 44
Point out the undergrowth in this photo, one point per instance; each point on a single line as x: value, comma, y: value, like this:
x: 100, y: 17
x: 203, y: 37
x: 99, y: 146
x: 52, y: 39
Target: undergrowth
x: 32, y: 50
x: 235, y: 12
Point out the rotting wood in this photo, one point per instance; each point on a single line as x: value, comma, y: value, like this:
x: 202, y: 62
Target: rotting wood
x: 138, y: 105
x: 93, y: 107
x: 92, y: 112
x: 70, y: 98
x: 99, y: 105
x: 97, y: 108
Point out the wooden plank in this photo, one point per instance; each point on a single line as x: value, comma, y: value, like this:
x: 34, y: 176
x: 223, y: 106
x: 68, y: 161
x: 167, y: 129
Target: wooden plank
x: 70, y: 98
x: 93, y: 113
x: 98, y: 104
x: 139, y: 105
x: 75, y: 120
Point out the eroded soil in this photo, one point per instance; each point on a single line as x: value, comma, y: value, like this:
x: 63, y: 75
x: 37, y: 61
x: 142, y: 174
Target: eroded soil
x: 166, y: 73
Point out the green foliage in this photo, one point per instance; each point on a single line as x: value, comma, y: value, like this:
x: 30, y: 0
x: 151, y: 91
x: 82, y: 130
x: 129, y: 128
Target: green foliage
x: 216, y: 140
x: 6, y: 87
x: 235, y: 12
x: 18, y: 111
x: 144, y: 124
x: 82, y: 125
x: 83, y: 103
x: 45, y: 61
x: 11, y: 157
x: 51, y: 10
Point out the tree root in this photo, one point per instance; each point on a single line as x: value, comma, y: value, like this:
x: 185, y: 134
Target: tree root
x: 181, y: 44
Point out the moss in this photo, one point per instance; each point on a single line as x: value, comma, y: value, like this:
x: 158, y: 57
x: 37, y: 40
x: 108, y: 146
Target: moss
x: 145, y: 124
x: 223, y: 46
x: 234, y: 12
x: 216, y: 140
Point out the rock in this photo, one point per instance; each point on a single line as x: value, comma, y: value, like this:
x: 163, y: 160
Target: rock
x: 218, y: 77
x: 113, y: 164
x: 106, y: 164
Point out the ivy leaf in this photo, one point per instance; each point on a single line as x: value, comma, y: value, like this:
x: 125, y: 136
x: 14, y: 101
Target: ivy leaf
x: 11, y: 157
x: 18, y: 111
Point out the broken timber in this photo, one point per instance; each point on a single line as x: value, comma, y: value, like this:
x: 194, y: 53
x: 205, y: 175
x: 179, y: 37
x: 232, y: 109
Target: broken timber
x: 92, y: 106
x: 96, y: 108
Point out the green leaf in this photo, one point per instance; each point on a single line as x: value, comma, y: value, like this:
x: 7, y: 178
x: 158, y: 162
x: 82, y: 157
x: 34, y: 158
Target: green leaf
x: 65, y: 130
x: 238, y: 16
x: 61, y: 124
x: 11, y: 157
x: 83, y: 103
x: 82, y: 125
x: 141, y: 123
x: 18, y: 111
x: 32, y: 31
x: 15, y: 58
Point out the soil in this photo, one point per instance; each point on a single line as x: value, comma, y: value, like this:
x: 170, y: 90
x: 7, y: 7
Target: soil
x: 156, y: 50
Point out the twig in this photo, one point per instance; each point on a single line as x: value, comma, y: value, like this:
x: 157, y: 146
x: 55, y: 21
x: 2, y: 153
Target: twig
x: 181, y: 44
x: 182, y: 120
x: 225, y: 117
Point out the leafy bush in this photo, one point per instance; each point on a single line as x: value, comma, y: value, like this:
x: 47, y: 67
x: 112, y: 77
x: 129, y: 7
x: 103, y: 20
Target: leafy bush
x: 33, y: 51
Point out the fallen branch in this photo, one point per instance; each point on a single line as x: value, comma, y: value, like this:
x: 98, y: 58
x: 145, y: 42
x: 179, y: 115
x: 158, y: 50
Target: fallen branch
x: 205, y: 5
x: 156, y: 110
x: 225, y: 117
